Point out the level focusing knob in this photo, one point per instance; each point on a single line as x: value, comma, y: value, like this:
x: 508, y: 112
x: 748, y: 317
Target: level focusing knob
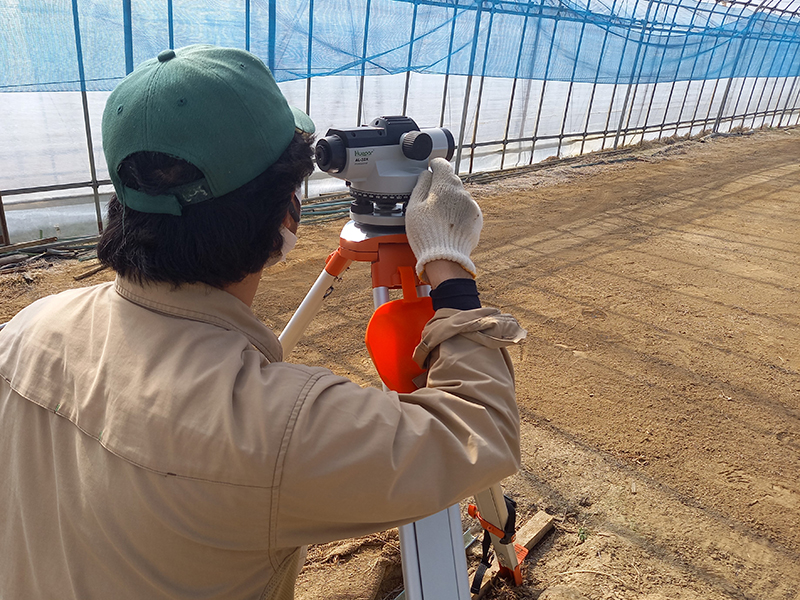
x: 417, y: 145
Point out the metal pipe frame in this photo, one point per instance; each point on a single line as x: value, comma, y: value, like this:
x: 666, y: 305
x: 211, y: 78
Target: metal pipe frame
x: 308, y: 71
x: 363, y: 65
x: 513, y: 90
x: 745, y: 39
x: 480, y: 90
x: 462, y: 129
x: 171, y: 24
x: 708, y: 70
x: 572, y: 82
x: 544, y: 90
x: 692, y: 78
x: 634, y: 72
x: 780, y: 70
x: 755, y: 83
x: 619, y: 70
x: 410, y: 56
x: 647, y: 45
x: 660, y: 69
x: 594, y: 84
x: 447, y: 68
x: 769, y: 105
x: 788, y: 96
x: 86, y: 122
x: 677, y: 69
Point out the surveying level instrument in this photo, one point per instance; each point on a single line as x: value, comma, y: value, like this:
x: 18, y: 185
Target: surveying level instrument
x: 432, y: 549
x: 381, y: 163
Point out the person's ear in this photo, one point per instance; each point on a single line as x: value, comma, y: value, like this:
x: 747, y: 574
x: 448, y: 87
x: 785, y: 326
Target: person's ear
x: 292, y: 218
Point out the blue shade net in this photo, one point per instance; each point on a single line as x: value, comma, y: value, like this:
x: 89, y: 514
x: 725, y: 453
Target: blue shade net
x: 68, y: 45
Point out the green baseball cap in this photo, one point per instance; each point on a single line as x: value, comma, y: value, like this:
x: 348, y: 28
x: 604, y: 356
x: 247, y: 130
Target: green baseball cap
x: 216, y: 108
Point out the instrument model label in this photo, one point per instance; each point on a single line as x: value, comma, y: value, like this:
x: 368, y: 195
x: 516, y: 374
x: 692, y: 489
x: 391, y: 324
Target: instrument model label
x: 362, y: 156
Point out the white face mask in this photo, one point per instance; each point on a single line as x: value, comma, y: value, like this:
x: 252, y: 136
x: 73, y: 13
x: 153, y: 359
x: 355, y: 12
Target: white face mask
x: 289, y: 241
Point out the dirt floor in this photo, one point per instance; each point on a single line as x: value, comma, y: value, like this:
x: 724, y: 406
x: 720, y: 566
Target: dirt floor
x: 659, y: 384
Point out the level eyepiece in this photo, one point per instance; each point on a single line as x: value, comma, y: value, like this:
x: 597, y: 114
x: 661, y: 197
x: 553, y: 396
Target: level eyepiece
x: 331, y: 154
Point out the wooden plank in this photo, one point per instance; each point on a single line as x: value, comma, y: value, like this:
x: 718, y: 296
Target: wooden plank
x: 535, y: 529
x: 528, y: 536
x: 89, y: 272
x: 19, y: 245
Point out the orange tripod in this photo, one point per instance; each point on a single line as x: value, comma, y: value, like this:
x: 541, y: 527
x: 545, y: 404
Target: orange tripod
x: 434, y: 561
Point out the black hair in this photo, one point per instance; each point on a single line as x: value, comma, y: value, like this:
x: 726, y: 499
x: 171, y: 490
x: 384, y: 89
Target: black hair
x: 218, y: 241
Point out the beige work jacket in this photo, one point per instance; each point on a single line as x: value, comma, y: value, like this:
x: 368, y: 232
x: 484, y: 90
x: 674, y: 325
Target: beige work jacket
x: 154, y: 445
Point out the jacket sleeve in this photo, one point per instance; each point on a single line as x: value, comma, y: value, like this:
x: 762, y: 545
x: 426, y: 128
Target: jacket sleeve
x: 360, y: 460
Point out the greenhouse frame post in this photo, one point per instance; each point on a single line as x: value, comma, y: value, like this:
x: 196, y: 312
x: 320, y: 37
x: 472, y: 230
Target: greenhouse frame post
x: 785, y: 78
x: 410, y: 57
x: 675, y: 78
x: 788, y: 102
x: 447, y: 68
x: 272, y: 28
x: 514, y: 89
x: 4, y: 225
x: 247, y: 25
x: 86, y: 122
x: 692, y: 78
x: 544, y: 89
x: 308, y: 72
x: 594, y: 84
x: 619, y: 73
x: 755, y: 84
x: 636, y: 72
x: 535, y: 48
x: 468, y: 90
x: 788, y: 105
x: 171, y: 24
x: 572, y: 81
x: 708, y: 71
x: 781, y: 106
x: 766, y: 111
x: 664, y: 46
x: 795, y: 105
x: 724, y: 101
x: 480, y: 90
x: 647, y: 44
x: 127, y: 28
x: 359, y: 112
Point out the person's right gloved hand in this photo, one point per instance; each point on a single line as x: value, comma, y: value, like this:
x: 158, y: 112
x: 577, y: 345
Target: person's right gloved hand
x: 443, y: 222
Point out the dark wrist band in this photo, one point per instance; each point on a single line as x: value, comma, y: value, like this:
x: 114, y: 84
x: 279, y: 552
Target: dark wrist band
x: 461, y: 294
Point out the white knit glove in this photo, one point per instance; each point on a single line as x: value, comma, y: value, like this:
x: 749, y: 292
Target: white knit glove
x: 442, y: 219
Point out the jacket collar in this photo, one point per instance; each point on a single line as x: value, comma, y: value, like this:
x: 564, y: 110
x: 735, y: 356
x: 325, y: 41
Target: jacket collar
x: 206, y: 304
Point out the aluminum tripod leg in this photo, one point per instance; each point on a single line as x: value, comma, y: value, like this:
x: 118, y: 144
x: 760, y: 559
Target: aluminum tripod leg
x: 432, y: 549
x: 433, y: 557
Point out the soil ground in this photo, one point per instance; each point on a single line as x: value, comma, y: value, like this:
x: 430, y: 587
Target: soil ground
x: 659, y: 384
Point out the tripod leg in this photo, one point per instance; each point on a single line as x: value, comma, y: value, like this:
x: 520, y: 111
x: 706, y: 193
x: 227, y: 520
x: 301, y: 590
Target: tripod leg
x: 380, y: 296
x: 433, y: 557
x: 492, y: 507
x: 307, y: 310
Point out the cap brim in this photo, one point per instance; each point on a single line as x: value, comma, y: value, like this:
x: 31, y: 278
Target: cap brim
x: 302, y: 122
